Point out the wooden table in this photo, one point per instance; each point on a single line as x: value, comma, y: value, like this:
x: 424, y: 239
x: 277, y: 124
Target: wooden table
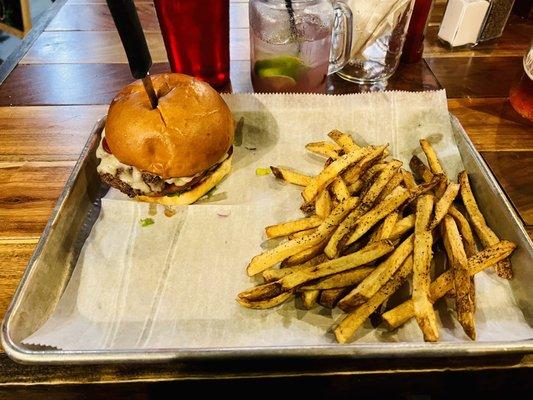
x: 71, y: 72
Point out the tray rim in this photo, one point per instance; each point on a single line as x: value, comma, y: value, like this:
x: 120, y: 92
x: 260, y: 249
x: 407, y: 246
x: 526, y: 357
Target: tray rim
x: 25, y: 355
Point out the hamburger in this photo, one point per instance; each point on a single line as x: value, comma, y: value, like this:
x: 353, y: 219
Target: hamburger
x: 173, y: 154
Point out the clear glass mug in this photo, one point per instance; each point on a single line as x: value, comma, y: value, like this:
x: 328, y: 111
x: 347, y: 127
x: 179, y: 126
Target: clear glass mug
x: 295, y: 44
x: 379, y: 30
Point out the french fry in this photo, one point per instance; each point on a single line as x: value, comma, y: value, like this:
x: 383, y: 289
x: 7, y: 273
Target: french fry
x: 443, y: 284
x: 305, y: 255
x: 408, y: 179
x: 323, y: 204
x: 387, y: 227
x: 468, y: 241
x: 420, y: 169
x: 348, y: 326
x: 272, y: 274
x: 465, y: 231
x: 329, y: 173
x: 264, y: 304
x: 261, y: 292
x: 339, y: 190
x: 300, y: 234
x: 366, y: 202
x: 378, y: 277
x: 422, y: 254
x: 340, y: 280
x: 392, y: 184
x: 329, y: 298
x: 286, y: 228
x: 344, y: 140
x: 402, y: 226
x: 353, y: 172
x: 366, y: 177
x: 326, y: 149
x: 291, y: 176
x: 461, y: 277
x: 309, y: 298
x: 380, y: 211
x: 444, y: 203
x: 271, y: 257
x: 364, y: 256
x: 433, y: 161
x: 485, y: 234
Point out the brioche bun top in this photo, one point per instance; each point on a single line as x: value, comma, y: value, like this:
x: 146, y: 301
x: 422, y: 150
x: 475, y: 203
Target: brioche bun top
x: 190, y: 130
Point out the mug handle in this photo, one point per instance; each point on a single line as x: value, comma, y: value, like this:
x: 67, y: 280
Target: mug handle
x: 342, y: 31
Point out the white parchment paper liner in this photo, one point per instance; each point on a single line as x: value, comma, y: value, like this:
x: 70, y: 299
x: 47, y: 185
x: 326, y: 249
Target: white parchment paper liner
x: 173, y: 284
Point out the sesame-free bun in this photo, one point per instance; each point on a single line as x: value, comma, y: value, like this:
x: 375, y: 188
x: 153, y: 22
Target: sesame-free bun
x: 190, y: 130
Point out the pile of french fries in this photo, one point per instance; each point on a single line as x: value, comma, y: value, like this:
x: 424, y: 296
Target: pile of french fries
x: 370, y: 225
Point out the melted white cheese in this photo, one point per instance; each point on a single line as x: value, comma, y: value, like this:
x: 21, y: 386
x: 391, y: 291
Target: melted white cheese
x: 131, y: 175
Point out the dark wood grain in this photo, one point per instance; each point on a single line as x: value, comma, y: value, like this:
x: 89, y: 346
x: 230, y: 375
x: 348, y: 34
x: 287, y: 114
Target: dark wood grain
x: 96, y: 17
x: 492, y: 124
x: 46, y: 133
x: 513, y: 42
x: 476, y: 76
x: 71, y: 84
x: 513, y: 171
x: 29, y: 192
x: 412, y: 77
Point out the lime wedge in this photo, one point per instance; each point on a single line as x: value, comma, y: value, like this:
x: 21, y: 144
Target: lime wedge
x: 279, y: 83
x: 287, y: 66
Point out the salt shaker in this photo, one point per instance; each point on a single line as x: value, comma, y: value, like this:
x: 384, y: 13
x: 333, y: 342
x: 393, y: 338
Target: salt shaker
x: 462, y: 22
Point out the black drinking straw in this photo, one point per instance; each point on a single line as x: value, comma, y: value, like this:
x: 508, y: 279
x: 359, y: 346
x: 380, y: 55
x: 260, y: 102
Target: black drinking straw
x: 292, y: 21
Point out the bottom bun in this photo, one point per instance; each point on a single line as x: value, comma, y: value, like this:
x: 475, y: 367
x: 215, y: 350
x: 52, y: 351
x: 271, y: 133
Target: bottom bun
x: 196, y: 192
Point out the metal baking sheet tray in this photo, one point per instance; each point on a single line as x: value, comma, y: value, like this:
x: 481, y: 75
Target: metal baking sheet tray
x: 54, y: 259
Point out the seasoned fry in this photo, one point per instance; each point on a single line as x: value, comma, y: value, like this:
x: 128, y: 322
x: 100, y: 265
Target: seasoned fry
x: 309, y: 298
x: 286, y: 228
x: 326, y: 149
x: 444, y: 283
x: 461, y: 277
x: 387, y: 227
x: 303, y: 233
x: 261, y: 292
x: 269, y: 258
x: 366, y: 177
x: 344, y: 140
x: 433, y: 161
x: 408, y: 179
x: 347, y: 327
x: 339, y: 190
x: 272, y: 274
x: 341, y: 280
x: 444, y: 203
x: 392, y: 184
x: 329, y: 298
x: 465, y: 231
x: 379, y: 277
x: 422, y: 254
x: 305, y: 255
x: 323, y: 204
x: 353, y: 173
x: 264, y: 304
x: 402, y: 226
x: 329, y: 173
x: 366, y: 202
x: 420, y: 169
x: 291, y: 176
x: 485, y: 234
x: 364, y: 256
x: 380, y: 211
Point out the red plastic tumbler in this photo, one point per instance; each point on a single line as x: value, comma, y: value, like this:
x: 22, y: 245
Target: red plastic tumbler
x: 196, y: 35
